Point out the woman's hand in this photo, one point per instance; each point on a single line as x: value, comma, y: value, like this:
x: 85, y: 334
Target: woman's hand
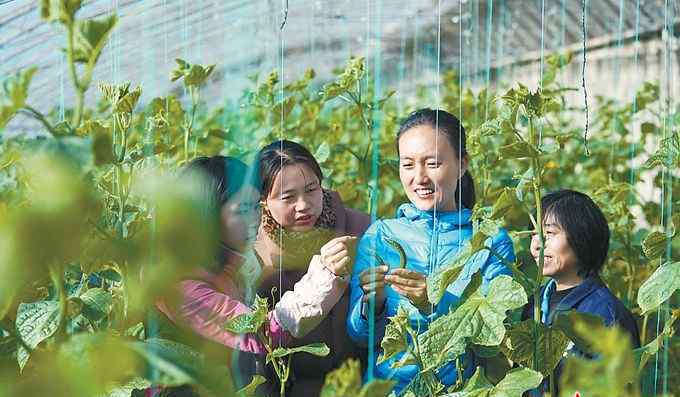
x: 410, y: 284
x: 336, y: 255
x: 372, y: 282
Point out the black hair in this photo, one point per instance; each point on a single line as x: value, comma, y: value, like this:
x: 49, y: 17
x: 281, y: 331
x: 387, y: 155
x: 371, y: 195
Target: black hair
x: 451, y: 127
x: 585, y: 226
x: 273, y: 157
x: 223, y: 175
x: 219, y: 179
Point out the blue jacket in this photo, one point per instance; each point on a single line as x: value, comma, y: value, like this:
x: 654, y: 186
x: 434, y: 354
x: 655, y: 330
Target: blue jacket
x: 428, y: 243
x: 592, y: 297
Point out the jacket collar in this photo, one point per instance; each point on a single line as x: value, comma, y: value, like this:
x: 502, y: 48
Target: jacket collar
x: 578, y: 294
x: 444, y: 218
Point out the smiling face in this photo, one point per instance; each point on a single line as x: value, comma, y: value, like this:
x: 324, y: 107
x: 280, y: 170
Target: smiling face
x: 241, y: 218
x: 560, y: 260
x: 296, y: 199
x: 429, y: 168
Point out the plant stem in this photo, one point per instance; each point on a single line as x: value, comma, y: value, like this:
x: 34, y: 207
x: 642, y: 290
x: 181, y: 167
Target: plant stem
x: 41, y: 118
x: 79, y: 90
x: 57, y: 279
x: 535, y: 165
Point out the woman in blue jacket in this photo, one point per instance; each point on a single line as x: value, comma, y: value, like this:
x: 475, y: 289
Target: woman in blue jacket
x: 432, y: 228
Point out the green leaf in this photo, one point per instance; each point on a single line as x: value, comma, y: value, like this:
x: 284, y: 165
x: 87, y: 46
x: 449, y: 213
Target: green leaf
x: 251, y: 388
x: 439, y: 281
x: 659, y: 286
x: 523, y: 338
x: 518, y: 150
x: 478, y: 320
x: 63, y: 11
x: 610, y: 373
x: 91, y: 37
x: 281, y: 110
x: 35, y: 322
x: 194, y: 75
x: 394, y: 340
x: 506, y: 204
x: 315, y: 349
x: 344, y: 381
x: 121, y: 98
x: 569, y: 323
x: 322, y: 153
x: 654, y: 244
x: 423, y: 384
x: 97, y: 303
x: 377, y: 388
x: 644, y: 353
x: 250, y: 322
x: 175, y: 362
x: 14, y: 94
x: 516, y: 382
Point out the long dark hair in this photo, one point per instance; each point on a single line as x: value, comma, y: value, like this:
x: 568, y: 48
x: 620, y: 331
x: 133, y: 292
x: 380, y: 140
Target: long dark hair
x: 451, y: 127
x: 278, y: 154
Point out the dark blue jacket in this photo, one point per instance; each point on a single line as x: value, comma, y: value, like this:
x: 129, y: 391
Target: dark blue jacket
x: 592, y: 297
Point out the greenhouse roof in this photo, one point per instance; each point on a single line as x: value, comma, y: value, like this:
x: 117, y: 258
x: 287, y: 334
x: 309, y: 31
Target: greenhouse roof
x: 244, y: 38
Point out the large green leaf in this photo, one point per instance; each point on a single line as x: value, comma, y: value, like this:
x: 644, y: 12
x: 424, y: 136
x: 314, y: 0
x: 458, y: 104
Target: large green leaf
x: 659, y: 286
x: 175, y: 364
x: 610, y: 374
x: 528, y: 339
x: 97, y: 303
x: 315, y: 349
x: 569, y: 323
x: 478, y: 320
x: 344, y: 381
x: 395, y: 337
x: 644, y: 353
x: 250, y: 322
x: 91, y: 37
x: 35, y: 322
x: 515, y: 383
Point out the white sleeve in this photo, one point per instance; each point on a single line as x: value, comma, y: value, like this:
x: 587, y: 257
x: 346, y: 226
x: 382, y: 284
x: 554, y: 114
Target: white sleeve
x: 299, y: 311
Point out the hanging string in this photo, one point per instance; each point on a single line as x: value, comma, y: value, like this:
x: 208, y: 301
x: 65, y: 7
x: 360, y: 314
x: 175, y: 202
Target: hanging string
x: 371, y: 300
x: 489, y: 28
x: 435, y: 251
x: 285, y: 16
x: 281, y: 135
x: 541, y: 65
x: 583, y: 75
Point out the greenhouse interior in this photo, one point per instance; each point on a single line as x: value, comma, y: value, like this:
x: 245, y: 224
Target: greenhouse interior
x: 439, y: 198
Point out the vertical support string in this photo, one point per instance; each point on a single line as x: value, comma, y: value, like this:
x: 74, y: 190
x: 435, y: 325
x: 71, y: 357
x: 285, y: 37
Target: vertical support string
x: 583, y: 73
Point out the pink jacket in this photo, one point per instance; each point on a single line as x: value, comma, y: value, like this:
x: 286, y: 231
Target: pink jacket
x: 209, y: 301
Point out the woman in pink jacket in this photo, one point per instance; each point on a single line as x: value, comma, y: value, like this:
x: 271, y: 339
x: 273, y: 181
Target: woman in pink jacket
x: 223, y: 290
